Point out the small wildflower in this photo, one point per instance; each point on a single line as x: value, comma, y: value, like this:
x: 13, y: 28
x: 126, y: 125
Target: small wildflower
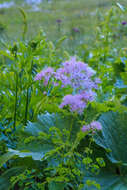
x: 95, y: 125
x: 58, y: 21
x: 86, y: 128
x: 76, y: 30
x: 44, y: 92
x: 124, y: 23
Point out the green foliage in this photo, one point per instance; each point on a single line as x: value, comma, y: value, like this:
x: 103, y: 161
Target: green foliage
x: 4, y: 158
x: 42, y: 146
x: 113, y: 140
x: 18, y: 92
x: 114, y: 136
x: 53, y: 142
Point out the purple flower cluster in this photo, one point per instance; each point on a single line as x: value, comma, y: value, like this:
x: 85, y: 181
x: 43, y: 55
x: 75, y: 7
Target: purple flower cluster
x: 75, y: 102
x: 45, y: 74
x: 95, y: 125
x: 78, y: 76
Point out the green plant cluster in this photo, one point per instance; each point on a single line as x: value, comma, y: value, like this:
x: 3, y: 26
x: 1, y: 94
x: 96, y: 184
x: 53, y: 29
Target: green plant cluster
x: 42, y: 147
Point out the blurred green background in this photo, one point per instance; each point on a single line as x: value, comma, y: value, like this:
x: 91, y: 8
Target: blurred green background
x: 73, y: 18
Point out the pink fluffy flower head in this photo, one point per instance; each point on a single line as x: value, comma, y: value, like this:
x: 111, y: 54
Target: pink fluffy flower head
x: 76, y: 73
x: 45, y: 74
x: 76, y: 103
x: 79, y: 76
x: 93, y: 126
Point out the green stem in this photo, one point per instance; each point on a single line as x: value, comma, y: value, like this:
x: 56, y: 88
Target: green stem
x: 16, y: 98
x: 27, y: 103
x: 27, y: 95
x: 70, y: 129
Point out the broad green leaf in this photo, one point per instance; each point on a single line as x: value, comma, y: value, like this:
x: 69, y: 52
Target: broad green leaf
x: 114, y: 136
x: 46, y: 121
x: 36, y: 139
x: 107, y: 181
x: 35, y: 151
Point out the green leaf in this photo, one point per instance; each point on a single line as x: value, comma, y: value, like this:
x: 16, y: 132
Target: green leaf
x: 5, y: 177
x: 37, y: 138
x: 4, y: 53
x: 113, y: 139
x: 114, y: 136
x: 107, y: 181
x: 4, y: 158
x: 56, y: 186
